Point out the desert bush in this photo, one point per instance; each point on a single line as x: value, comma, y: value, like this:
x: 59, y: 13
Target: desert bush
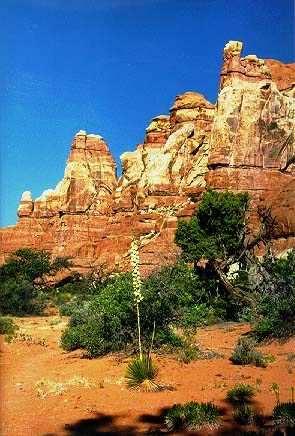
x: 17, y: 298
x: 274, y: 319
x: 106, y: 323
x: 245, y: 353
x: 243, y: 414
x: 196, y: 315
x: 173, y: 297
x: 7, y: 326
x: 81, y: 313
x: 240, y: 393
x: 71, y: 339
x: 193, y: 416
x: 274, y: 316
x: 113, y: 310
x: 186, y: 297
x: 284, y: 415
x: 22, y: 281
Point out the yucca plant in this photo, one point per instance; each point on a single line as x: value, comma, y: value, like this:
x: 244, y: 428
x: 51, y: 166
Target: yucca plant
x: 141, y: 372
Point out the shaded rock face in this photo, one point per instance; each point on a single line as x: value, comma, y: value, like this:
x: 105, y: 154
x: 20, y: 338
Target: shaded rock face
x: 243, y: 143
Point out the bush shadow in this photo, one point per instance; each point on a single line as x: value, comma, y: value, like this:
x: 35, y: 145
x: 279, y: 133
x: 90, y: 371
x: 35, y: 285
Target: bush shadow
x: 106, y: 425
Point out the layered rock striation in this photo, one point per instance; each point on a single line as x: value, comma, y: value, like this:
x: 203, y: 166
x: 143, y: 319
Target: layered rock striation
x: 243, y: 143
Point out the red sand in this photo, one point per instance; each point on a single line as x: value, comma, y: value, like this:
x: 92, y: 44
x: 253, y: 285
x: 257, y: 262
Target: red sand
x: 108, y: 407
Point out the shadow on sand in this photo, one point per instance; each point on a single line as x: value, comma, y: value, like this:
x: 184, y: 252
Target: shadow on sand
x: 107, y: 425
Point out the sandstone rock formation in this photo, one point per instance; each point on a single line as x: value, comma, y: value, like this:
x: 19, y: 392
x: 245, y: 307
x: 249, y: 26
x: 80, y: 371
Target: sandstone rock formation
x: 243, y: 143
x: 251, y: 146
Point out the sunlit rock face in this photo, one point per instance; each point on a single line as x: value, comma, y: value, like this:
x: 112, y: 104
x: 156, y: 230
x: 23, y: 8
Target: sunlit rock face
x: 243, y: 143
x: 173, y: 158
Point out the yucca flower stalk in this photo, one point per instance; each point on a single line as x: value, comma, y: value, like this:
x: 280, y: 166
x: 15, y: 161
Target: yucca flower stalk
x: 136, y: 281
x: 141, y: 372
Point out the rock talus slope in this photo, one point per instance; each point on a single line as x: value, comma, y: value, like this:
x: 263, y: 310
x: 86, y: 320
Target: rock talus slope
x: 243, y: 143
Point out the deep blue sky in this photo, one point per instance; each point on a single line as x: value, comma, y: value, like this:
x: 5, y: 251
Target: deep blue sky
x: 108, y: 67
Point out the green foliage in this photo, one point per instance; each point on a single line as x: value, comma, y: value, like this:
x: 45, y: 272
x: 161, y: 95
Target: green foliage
x: 275, y: 320
x: 7, y: 325
x: 114, y: 310
x: 274, y: 315
x: 284, y: 415
x: 141, y: 374
x: 88, y: 285
x: 174, y: 418
x: 240, y: 393
x: 71, y: 339
x: 26, y: 264
x: 17, y: 297
x: 168, y: 292
x: 245, y: 353
x: 185, y: 297
x: 216, y: 230
x: 22, y: 277
x: 175, y: 296
x: 193, y: 416
x: 243, y: 415
x: 106, y: 323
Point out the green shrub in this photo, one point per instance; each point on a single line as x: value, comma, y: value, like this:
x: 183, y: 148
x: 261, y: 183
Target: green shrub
x: 110, y: 317
x: 193, y: 416
x: 23, y: 289
x: 245, y: 353
x: 73, y: 306
x: 81, y: 313
x: 71, y: 339
x: 16, y: 298
x: 7, y: 325
x: 240, y: 393
x: 174, y: 418
x: 284, y: 415
x: 274, y: 315
x: 173, y: 297
x: 275, y: 319
x: 94, y: 340
x: 106, y: 323
x: 243, y: 415
x: 166, y: 336
x: 196, y: 315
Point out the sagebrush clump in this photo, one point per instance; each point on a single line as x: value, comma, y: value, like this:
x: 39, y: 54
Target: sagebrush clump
x: 245, y: 353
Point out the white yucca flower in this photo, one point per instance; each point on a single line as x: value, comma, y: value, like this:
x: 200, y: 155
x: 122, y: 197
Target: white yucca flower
x: 135, y: 271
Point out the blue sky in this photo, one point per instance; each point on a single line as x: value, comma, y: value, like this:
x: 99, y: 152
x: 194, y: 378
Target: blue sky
x: 108, y: 67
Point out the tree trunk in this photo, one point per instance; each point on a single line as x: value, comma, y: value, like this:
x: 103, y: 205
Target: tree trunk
x: 236, y: 292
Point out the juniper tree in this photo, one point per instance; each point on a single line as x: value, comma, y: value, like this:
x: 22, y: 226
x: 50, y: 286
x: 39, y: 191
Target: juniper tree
x: 219, y: 233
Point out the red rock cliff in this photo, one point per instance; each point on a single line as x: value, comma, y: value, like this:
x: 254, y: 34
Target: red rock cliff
x: 245, y: 142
